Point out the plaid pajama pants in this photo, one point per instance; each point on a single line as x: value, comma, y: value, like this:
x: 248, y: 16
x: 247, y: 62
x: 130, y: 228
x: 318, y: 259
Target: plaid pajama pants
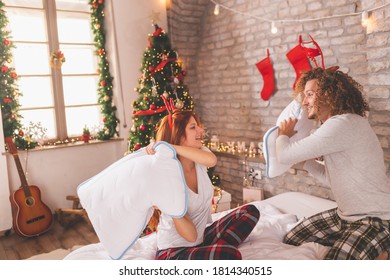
x: 221, y: 238
x: 366, y: 238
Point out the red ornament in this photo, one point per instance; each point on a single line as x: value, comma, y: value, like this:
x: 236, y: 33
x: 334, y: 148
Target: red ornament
x: 21, y: 133
x: 4, y: 69
x: 103, y: 83
x: 180, y: 77
x: 184, y: 73
x: 7, y: 100
x: 142, y: 127
x: 152, y: 107
x: 146, y: 98
x: 104, y: 119
x: 151, y: 68
x: 101, y: 51
x: 100, y: 1
x: 6, y: 42
x: 137, y: 146
x: 14, y: 75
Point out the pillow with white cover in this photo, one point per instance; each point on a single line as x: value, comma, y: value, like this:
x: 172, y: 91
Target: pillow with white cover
x: 303, y: 127
x: 120, y: 199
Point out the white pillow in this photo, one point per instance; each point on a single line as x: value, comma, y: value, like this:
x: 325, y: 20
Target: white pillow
x: 119, y: 199
x: 303, y: 127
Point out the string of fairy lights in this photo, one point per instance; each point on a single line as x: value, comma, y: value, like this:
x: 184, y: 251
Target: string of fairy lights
x: 367, y: 19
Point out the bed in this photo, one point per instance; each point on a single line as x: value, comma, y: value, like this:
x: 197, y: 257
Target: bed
x: 278, y: 215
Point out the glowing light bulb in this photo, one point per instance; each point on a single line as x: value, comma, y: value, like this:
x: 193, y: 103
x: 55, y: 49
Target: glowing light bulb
x: 274, y: 29
x: 365, y: 18
x: 216, y: 9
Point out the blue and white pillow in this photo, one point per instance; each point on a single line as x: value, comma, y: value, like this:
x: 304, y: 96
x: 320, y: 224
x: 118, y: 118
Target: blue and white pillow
x: 303, y: 127
x: 120, y: 199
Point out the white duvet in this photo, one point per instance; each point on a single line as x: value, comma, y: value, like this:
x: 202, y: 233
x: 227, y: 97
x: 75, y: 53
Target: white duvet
x: 264, y: 243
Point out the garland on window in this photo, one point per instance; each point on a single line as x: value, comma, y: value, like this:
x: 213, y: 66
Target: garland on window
x: 9, y: 93
x: 105, y: 92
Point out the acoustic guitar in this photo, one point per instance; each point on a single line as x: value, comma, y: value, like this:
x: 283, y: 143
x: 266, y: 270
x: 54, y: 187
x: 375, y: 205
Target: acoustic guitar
x: 30, y: 216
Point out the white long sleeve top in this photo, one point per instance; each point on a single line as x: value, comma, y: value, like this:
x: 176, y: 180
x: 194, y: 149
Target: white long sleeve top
x: 353, y: 165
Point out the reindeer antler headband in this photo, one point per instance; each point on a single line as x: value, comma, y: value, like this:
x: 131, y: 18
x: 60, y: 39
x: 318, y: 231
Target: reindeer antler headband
x: 170, y: 108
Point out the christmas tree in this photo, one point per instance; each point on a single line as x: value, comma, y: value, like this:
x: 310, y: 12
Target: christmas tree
x: 9, y: 93
x: 162, y: 76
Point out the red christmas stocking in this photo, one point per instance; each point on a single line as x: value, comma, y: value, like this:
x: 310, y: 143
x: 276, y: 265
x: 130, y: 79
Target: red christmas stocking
x: 297, y: 57
x: 265, y: 68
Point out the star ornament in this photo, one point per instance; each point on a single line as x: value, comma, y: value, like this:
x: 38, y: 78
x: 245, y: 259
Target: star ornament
x: 154, y: 17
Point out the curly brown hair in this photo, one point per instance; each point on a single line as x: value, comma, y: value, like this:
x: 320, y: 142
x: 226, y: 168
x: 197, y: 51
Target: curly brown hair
x: 335, y: 89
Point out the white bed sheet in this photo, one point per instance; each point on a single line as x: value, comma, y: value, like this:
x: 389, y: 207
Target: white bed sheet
x: 264, y: 243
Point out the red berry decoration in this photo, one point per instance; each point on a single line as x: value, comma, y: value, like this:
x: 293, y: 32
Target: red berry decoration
x: 103, y: 83
x: 6, y: 42
x: 142, y: 127
x: 152, y: 107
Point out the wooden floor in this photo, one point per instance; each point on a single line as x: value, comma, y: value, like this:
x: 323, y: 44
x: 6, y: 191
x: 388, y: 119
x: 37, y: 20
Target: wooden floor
x: 75, y: 232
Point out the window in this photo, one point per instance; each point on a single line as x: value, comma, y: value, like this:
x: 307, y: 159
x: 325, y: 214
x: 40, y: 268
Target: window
x: 63, y: 99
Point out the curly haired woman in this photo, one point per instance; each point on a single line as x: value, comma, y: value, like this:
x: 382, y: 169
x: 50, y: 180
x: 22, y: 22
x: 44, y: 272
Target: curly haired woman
x: 353, y: 166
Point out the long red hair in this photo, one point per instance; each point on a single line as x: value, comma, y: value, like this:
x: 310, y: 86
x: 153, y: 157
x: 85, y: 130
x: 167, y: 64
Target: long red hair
x: 180, y: 120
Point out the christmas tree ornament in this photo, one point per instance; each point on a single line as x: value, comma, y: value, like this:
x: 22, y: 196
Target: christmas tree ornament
x: 299, y: 57
x: 179, y: 104
x: 266, y: 70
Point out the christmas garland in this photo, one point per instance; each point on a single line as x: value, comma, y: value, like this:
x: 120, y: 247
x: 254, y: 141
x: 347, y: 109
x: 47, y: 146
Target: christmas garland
x: 105, y: 92
x: 9, y: 94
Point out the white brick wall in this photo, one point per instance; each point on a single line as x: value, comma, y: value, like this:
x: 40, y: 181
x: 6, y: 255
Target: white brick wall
x: 220, y: 53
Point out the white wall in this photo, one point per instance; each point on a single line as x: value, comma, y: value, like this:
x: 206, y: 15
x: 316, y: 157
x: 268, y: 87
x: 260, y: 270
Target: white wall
x: 58, y: 171
x: 130, y: 31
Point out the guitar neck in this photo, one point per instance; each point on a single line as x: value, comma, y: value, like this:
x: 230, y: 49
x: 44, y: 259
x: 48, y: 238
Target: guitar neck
x: 22, y: 176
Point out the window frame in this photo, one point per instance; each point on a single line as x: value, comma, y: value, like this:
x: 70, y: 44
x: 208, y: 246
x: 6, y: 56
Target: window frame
x: 50, y: 10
